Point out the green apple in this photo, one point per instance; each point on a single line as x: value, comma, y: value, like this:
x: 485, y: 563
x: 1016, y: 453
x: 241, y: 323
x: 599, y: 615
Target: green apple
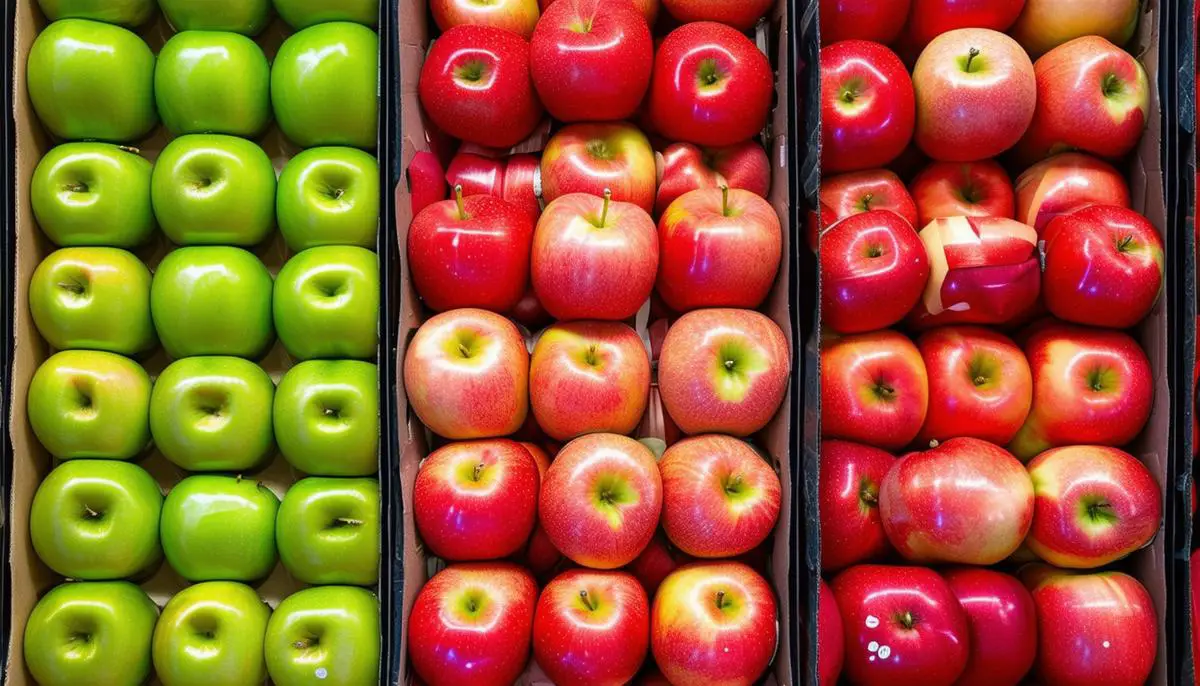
x: 211, y: 634
x: 325, y: 636
x: 329, y: 196
x: 247, y: 17
x: 90, y: 404
x: 328, y: 531
x: 301, y: 14
x: 210, y: 189
x: 92, y: 81
x: 213, y: 82
x: 220, y: 528
x: 124, y: 12
x: 326, y: 303
x: 324, y: 84
x: 212, y: 301
x: 213, y: 414
x: 97, y: 520
x: 327, y: 417
x: 96, y: 633
x: 93, y: 194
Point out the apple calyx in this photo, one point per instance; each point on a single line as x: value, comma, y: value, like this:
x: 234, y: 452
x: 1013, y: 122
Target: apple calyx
x: 587, y: 600
x: 590, y: 358
x: 933, y: 443
x: 1112, y: 85
x: 458, y: 200
x: 864, y: 204
x: 970, y: 61
x: 733, y: 486
x: 73, y: 287
x: 133, y: 150
x: 709, y: 73
x: 884, y: 391
x: 1126, y: 244
x: 471, y: 71
x: 477, y: 471
x: 1099, y: 511
x: 907, y: 620
x: 868, y: 493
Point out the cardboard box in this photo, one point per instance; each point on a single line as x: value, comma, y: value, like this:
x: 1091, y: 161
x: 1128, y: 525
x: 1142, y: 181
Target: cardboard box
x: 29, y: 463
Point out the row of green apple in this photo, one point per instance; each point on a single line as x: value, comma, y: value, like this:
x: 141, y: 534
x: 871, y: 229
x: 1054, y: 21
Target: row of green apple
x: 247, y: 17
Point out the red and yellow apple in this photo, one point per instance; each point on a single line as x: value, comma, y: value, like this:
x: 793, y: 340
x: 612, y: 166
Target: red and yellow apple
x: 962, y: 189
x: 594, y: 158
x: 1064, y: 183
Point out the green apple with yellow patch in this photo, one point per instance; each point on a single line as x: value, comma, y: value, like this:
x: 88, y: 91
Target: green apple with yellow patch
x: 212, y: 633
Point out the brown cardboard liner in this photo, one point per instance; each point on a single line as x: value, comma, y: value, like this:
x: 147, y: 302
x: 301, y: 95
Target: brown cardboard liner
x: 775, y: 439
x: 29, y: 577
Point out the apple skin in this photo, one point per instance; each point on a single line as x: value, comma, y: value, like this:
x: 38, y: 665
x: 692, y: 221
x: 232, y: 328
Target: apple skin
x: 212, y: 633
x: 1064, y: 183
x: 97, y: 520
x: 591, y: 60
x: 1103, y: 266
x: 327, y: 635
x: 327, y: 531
x: 711, y: 84
x: 127, y: 13
x: 713, y: 622
x: 831, y: 641
x: 967, y: 189
x: 427, y: 179
x: 476, y: 500
x: 329, y: 196
x: 219, y: 528
x: 90, y: 404
x: 475, y: 85
x: 852, y: 193
x: 326, y: 303
x: 540, y: 556
x: 873, y: 270
x: 325, y: 84
x: 1092, y: 96
x: 594, y: 158
x: 89, y: 80
x: 1046, y: 24
x: 919, y: 625
x: 980, y: 385
x: 601, y: 500
x: 1090, y: 386
x: 685, y: 167
x: 929, y: 19
x: 247, y: 17
x: 213, y: 82
x: 972, y: 107
x: 718, y: 248
x: 874, y: 389
x: 301, y: 14
x: 583, y: 614
x: 965, y: 501
x: 473, y: 624
x: 867, y: 106
x: 1095, y: 505
x: 1093, y: 628
x: 85, y: 194
x: 594, y: 258
x: 869, y: 20
x: 587, y: 377
x: 723, y: 371
x: 1003, y: 626
x: 656, y: 562
x: 518, y: 16
x: 740, y: 15
x: 94, y: 298
x: 851, y: 528
x: 648, y: 8
x: 467, y: 375
x: 326, y: 417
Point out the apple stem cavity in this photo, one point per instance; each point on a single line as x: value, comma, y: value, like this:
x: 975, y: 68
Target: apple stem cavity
x: 72, y: 287
x: 1111, y: 85
x: 587, y: 600
x: 1124, y: 244
x: 458, y: 200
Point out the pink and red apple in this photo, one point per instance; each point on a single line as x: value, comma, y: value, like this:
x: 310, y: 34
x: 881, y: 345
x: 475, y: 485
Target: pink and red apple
x: 656, y: 562
x: 685, y: 167
x: 963, y: 189
x: 595, y: 158
x: 1064, y: 183
x: 518, y: 16
x: 851, y: 528
x: 862, y: 191
x: 874, y: 389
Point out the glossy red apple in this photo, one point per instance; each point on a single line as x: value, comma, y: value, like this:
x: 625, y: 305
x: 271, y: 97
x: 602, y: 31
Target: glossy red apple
x: 656, y: 562
x: 931, y: 18
x: 1064, y: 183
x: 874, y: 389
x: 831, y: 638
x: 870, y: 20
x: 1003, y: 626
x: 711, y: 84
x: 425, y: 181
x: 518, y: 16
x: 477, y: 174
x: 540, y: 555
x: 594, y: 158
x: 851, y: 530
x: 867, y: 106
x: 685, y: 167
x: 521, y: 172
x: 741, y: 15
x: 862, y: 191
x: 967, y: 189
x: 529, y: 311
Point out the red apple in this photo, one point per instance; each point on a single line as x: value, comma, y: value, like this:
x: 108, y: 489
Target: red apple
x: 1095, y: 505
x: 1103, y: 266
x: 851, y: 530
x: 873, y: 270
x: 741, y: 14
x: 594, y: 258
x: 1093, y: 629
x: 472, y: 624
x: 713, y: 623
x: 425, y: 181
x: 470, y: 252
x: 520, y: 174
x: 518, y: 16
x: 648, y: 8
x: 591, y: 60
x: 711, y: 84
x: 1064, y: 183
x: 723, y: 371
x: 867, y: 106
x: 855, y: 192
x: 477, y: 174
x: 591, y: 628
x: 1045, y: 24
x: 601, y: 500
x: 540, y: 556
x: 1003, y: 626
x: 720, y: 498
x: 903, y: 626
x: 466, y: 373
x: 965, y: 501
x: 976, y: 94
x: 529, y: 311
x: 980, y: 385
x: 874, y: 389
x: 831, y: 638
x: 475, y: 86
x: 719, y: 248
x: 931, y: 18
x: 656, y: 562
x: 540, y: 457
x: 1090, y: 386
x: 686, y: 167
x: 870, y: 20
x: 963, y: 189
x: 594, y: 158
x: 1091, y: 96
x: 476, y: 500
x: 587, y: 377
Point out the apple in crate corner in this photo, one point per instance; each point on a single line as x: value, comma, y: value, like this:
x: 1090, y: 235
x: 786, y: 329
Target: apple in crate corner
x: 874, y: 389
x: 853, y: 193
x: 518, y: 16
x: 213, y: 82
x: 326, y: 417
x: 970, y: 189
x: 1046, y: 24
x: 851, y: 527
x: 326, y: 303
x: 867, y: 106
x: 220, y: 528
x: 85, y: 194
x: 301, y: 14
x: 686, y: 167
x: 1003, y: 626
x: 1065, y: 183
x: 212, y: 633
x: 330, y: 632
x: 868, y: 20
x: 329, y: 196
x: 130, y: 13
x: 596, y: 158
x: 248, y: 17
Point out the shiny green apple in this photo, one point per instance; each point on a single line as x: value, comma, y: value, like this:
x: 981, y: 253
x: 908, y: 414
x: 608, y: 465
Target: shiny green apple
x: 213, y: 82
x: 247, y: 17
x: 329, y: 196
x: 328, y: 531
x: 301, y: 14
x: 129, y: 13
x: 212, y: 634
x: 326, y: 303
x: 327, y: 417
x: 220, y: 528
x: 213, y: 414
x: 97, y: 520
x: 96, y: 633
x: 93, y: 194
x: 92, y: 81
x: 325, y: 636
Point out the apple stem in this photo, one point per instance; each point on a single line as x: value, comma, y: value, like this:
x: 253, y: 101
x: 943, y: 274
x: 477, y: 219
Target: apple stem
x: 1124, y: 243
x: 869, y: 496
x: 933, y: 443
x: 971, y: 55
x: 347, y: 521
x: 980, y: 380
x: 458, y: 199
x: 90, y: 513
x: 720, y: 600
x: 477, y: 471
x: 604, y: 212
x: 462, y: 350
x: 587, y: 601
x: 729, y: 364
x: 130, y: 149
x: 724, y: 200
x: 77, y: 187
x: 867, y: 200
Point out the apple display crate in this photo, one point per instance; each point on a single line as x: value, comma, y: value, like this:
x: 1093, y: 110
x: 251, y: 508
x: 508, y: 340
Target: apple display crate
x: 26, y: 462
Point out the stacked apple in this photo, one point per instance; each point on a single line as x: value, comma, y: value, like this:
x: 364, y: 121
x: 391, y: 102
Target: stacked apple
x: 101, y: 520
x: 642, y: 548
x: 922, y: 287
